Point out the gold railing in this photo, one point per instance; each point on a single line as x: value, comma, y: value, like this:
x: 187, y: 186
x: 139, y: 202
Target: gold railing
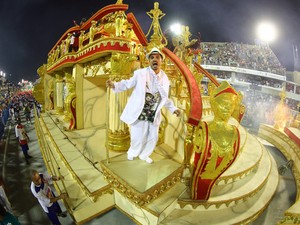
x: 47, y: 153
x: 292, y: 152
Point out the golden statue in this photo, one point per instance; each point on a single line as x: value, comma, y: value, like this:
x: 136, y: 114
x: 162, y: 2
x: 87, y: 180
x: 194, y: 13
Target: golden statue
x: 183, y: 45
x: 56, y: 55
x: 93, y: 30
x: 63, y: 48
x: 186, y: 35
x: 68, y: 41
x: 39, y: 89
x: 216, y: 143
x: 119, y: 23
x: 156, y: 14
x: 81, y: 39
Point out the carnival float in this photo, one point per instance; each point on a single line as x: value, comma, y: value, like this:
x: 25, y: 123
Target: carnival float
x: 207, y: 168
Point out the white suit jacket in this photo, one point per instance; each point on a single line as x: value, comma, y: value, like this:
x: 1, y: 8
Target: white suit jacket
x: 136, y: 101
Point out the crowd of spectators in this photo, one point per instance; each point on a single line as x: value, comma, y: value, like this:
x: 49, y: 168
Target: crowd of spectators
x: 255, y: 57
x: 290, y: 87
x: 12, y: 104
x: 255, y: 83
x: 226, y: 75
x: 250, y: 79
x: 260, y: 108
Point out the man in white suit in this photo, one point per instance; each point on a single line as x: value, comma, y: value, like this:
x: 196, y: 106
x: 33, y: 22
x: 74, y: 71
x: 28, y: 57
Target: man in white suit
x: 142, y: 112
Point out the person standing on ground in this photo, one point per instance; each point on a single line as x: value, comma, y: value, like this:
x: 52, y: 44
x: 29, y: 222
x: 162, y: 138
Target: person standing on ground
x: 40, y: 188
x: 23, y: 140
x: 12, y: 114
x: 143, y: 110
x: 27, y: 112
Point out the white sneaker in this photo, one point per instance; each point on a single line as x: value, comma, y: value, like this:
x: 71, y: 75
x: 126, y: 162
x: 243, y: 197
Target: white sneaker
x: 149, y: 160
x: 129, y: 157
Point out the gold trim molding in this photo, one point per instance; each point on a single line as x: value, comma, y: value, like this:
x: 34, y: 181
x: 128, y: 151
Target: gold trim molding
x: 135, y: 196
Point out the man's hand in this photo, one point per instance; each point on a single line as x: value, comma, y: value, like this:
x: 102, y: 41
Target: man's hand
x: 177, y: 112
x: 55, y: 178
x: 63, y: 195
x: 110, y: 84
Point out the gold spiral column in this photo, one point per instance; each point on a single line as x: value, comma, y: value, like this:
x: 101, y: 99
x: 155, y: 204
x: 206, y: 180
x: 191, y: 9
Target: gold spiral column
x: 69, y: 90
x: 118, y: 132
x: 58, y: 94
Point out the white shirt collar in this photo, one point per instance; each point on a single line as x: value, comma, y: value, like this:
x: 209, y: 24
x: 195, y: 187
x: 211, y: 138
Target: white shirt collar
x: 153, y: 73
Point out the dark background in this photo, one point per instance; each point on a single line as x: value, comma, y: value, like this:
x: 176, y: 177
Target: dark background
x: 30, y: 28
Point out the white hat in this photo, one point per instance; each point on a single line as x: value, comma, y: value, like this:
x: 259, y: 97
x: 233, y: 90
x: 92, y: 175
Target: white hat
x: 155, y: 50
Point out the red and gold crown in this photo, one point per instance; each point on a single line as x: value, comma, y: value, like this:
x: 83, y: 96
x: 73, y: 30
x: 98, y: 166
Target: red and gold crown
x: 224, y: 87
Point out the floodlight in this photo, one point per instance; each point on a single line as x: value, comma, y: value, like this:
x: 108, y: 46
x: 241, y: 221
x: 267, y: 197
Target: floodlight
x: 176, y: 28
x: 266, y: 32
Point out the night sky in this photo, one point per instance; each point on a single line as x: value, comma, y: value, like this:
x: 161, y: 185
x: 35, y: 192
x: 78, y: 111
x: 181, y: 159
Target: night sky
x: 30, y: 28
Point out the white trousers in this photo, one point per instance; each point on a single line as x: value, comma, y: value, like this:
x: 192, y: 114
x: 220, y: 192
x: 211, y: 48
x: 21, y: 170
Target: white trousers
x: 143, y: 139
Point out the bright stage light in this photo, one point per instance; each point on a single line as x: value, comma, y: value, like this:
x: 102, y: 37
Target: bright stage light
x: 176, y: 28
x: 266, y: 32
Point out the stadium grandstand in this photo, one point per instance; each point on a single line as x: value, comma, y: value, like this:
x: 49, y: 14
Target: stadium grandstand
x: 257, y: 73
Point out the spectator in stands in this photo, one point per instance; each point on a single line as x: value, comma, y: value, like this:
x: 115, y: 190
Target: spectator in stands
x: 254, y: 57
x: 40, y: 188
